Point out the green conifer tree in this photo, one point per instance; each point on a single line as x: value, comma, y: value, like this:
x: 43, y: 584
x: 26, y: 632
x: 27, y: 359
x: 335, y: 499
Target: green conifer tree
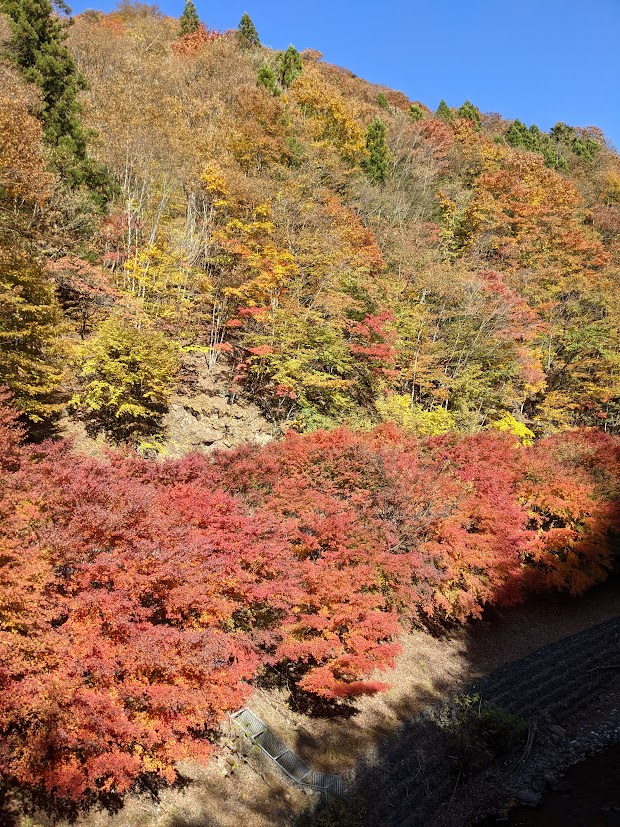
x: 382, y: 101
x: 248, y: 36
x: 472, y: 113
x: 38, y: 48
x: 517, y: 135
x: 443, y: 112
x: 549, y: 151
x: 289, y: 66
x: 376, y: 165
x: 563, y: 133
x: 189, y: 20
x: 586, y: 148
x: 416, y: 113
x: 267, y: 79
x: 534, y: 139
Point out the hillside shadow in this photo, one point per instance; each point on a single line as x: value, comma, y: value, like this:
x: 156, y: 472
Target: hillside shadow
x: 418, y: 773
x: 19, y: 800
x: 9, y: 812
x: 438, y: 770
x: 432, y: 667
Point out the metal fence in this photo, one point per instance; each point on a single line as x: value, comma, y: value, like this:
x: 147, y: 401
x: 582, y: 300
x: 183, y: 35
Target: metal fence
x: 294, y: 767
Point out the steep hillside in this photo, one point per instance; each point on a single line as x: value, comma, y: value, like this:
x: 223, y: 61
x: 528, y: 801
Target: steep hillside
x: 344, y: 253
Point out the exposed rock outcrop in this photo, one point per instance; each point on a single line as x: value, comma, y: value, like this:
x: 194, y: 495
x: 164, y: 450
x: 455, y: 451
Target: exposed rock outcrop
x: 202, y: 416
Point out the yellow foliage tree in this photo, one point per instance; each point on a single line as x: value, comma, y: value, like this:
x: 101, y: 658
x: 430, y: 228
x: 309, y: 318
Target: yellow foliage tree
x: 332, y: 120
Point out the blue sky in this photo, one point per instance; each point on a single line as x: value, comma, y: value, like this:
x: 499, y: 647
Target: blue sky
x: 542, y: 61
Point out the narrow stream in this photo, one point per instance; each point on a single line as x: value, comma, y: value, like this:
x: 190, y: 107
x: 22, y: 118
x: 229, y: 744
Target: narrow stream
x: 593, y: 802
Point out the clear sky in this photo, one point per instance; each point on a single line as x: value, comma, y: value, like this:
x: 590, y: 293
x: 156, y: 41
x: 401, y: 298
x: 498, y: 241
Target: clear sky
x: 542, y: 61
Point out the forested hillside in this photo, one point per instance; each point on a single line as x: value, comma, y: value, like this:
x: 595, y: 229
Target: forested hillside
x: 346, y: 253
x: 428, y: 303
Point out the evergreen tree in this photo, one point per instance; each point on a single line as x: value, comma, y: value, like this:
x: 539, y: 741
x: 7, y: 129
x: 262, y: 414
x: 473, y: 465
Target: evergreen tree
x: 289, y: 66
x: 248, y: 36
x: 382, y: 101
x: 534, y: 140
x: 585, y: 148
x: 376, y: 165
x: 550, y: 153
x: 37, y: 48
x: 517, y: 135
x: 416, y: 113
x: 189, y: 20
x: 563, y: 133
x: 472, y: 113
x: 267, y: 79
x: 443, y: 112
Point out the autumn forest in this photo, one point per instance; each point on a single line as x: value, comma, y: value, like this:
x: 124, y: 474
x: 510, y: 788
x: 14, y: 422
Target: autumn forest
x: 424, y: 304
